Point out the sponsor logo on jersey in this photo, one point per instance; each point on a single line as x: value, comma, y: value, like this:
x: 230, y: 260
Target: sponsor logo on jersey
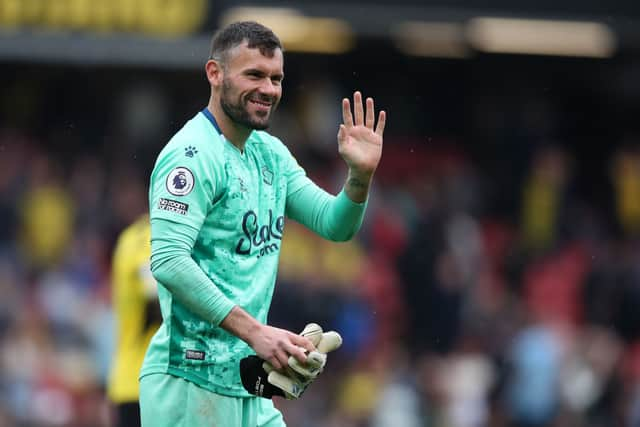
x: 173, y: 206
x: 263, y: 238
x: 180, y: 181
x: 194, y: 355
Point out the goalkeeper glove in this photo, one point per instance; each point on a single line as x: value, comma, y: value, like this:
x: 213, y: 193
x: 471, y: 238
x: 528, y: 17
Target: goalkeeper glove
x: 260, y: 378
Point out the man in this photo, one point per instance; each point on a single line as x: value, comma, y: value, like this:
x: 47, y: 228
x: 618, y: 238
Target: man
x: 135, y: 304
x: 216, y: 234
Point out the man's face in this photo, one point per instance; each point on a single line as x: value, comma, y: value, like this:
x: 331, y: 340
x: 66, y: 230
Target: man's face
x: 251, y: 86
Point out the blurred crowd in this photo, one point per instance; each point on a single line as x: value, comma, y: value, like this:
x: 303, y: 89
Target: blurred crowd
x: 476, y: 294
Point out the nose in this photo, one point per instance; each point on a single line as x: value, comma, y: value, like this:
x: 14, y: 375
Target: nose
x: 269, y: 88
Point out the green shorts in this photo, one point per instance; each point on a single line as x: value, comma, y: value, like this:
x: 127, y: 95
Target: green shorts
x: 169, y: 401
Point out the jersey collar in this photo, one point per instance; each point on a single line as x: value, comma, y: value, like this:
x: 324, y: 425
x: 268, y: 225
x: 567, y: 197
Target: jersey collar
x: 212, y: 119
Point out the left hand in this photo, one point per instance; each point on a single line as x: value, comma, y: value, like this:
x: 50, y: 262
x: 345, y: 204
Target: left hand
x: 296, y: 377
x: 358, y: 143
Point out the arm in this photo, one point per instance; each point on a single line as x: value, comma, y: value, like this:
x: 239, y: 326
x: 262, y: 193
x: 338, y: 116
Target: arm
x: 335, y: 218
x: 339, y: 218
x: 173, y: 267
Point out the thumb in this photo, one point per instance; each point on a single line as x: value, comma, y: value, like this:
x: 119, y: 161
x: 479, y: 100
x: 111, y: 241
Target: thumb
x: 342, y: 134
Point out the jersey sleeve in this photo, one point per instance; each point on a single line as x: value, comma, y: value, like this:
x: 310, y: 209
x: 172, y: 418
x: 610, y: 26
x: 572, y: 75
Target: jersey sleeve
x: 336, y: 218
x: 183, y: 185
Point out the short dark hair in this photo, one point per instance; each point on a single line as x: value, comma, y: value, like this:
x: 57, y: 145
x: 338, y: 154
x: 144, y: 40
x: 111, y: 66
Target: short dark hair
x: 256, y: 35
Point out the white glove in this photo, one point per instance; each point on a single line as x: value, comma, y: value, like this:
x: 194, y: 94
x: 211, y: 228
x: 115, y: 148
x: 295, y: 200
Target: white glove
x: 296, y: 377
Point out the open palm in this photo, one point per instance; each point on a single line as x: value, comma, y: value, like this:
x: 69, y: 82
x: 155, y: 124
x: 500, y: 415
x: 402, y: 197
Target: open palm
x: 359, y: 143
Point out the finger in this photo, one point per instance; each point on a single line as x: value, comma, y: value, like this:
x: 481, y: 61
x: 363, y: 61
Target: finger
x: 382, y: 118
x: 274, y: 362
x: 370, y: 115
x: 347, y: 118
x: 304, y: 342
x: 299, y: 353
x: 358, y: 109
x: 342, y: 134
x: 283, y: 359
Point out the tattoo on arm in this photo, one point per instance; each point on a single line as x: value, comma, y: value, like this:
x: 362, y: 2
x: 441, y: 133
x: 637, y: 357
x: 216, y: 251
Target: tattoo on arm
x: 356, y: 183
x: 357, y: 188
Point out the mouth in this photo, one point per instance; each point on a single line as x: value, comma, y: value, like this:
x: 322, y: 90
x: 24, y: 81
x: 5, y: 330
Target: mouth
x: 261, y: 107
x: 260, y: 104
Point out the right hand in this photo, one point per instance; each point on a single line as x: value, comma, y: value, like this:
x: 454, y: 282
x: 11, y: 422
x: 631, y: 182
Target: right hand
x: 275, y: 345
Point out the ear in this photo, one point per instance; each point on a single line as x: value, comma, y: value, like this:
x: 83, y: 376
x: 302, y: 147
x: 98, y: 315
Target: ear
x: 214, y: 71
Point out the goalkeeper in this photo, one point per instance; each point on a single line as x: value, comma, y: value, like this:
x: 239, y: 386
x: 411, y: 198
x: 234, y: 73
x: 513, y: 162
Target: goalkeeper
x: 219, y: 194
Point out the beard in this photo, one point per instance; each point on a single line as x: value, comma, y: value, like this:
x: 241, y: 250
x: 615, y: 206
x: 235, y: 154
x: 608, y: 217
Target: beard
x: 238, y: 112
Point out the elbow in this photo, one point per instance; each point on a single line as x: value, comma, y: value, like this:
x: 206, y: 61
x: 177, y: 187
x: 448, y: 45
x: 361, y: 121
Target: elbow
x: 157, y: 271
x: 160, y: 269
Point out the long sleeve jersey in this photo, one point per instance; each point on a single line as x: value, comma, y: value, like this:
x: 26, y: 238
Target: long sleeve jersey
x: 217, y: 220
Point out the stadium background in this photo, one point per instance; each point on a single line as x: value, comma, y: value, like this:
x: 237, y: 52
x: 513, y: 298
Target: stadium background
x: 496, y: 281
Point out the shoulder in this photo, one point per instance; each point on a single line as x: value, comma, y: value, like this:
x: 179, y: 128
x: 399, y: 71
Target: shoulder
x: 197, y: 136
x: 194, y: 158
x: 196, y: 149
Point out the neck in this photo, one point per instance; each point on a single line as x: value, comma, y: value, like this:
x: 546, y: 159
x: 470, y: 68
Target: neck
x: 234, y: 133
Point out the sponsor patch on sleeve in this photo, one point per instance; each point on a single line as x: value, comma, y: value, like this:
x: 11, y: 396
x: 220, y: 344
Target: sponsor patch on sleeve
x: 173, y: 206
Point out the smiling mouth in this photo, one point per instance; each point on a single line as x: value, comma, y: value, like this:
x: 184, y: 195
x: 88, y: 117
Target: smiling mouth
x: 260, y: 103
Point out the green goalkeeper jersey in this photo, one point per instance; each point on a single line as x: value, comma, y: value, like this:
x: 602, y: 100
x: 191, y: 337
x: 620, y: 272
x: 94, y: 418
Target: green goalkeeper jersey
x: 229, y: 207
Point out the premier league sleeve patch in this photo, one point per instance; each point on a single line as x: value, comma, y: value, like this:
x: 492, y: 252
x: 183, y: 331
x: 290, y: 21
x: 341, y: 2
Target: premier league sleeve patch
x: 180, y: 181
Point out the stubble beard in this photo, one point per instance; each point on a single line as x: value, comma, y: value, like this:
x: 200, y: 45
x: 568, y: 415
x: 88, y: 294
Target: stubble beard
x: 237, y: 111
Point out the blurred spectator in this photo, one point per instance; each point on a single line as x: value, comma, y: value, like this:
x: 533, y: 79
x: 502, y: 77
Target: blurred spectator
x: 137, y: 312
x: 532, y: 390
x: 544, y: 199
x: 625, y: 176
x: 46, y: 215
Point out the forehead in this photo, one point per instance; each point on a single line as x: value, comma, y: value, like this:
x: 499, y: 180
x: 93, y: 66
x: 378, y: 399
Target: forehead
x: 241, y: 57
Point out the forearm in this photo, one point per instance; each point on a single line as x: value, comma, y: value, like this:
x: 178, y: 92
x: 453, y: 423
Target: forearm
x: 241, y: 324
x: 173, y: 267
x: 335, y: 218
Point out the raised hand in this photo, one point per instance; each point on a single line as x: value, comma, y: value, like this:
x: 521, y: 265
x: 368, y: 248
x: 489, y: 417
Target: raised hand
x: 359, y: 143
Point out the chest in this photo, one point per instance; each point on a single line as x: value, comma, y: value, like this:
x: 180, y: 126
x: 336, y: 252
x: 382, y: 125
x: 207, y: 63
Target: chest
x: 254, y: 180
x: 251, y: 210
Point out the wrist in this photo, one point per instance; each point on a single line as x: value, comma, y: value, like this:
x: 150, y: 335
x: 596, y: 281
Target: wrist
x: 254, y: 330
x: 357, y: 186
x: 362, y: 177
